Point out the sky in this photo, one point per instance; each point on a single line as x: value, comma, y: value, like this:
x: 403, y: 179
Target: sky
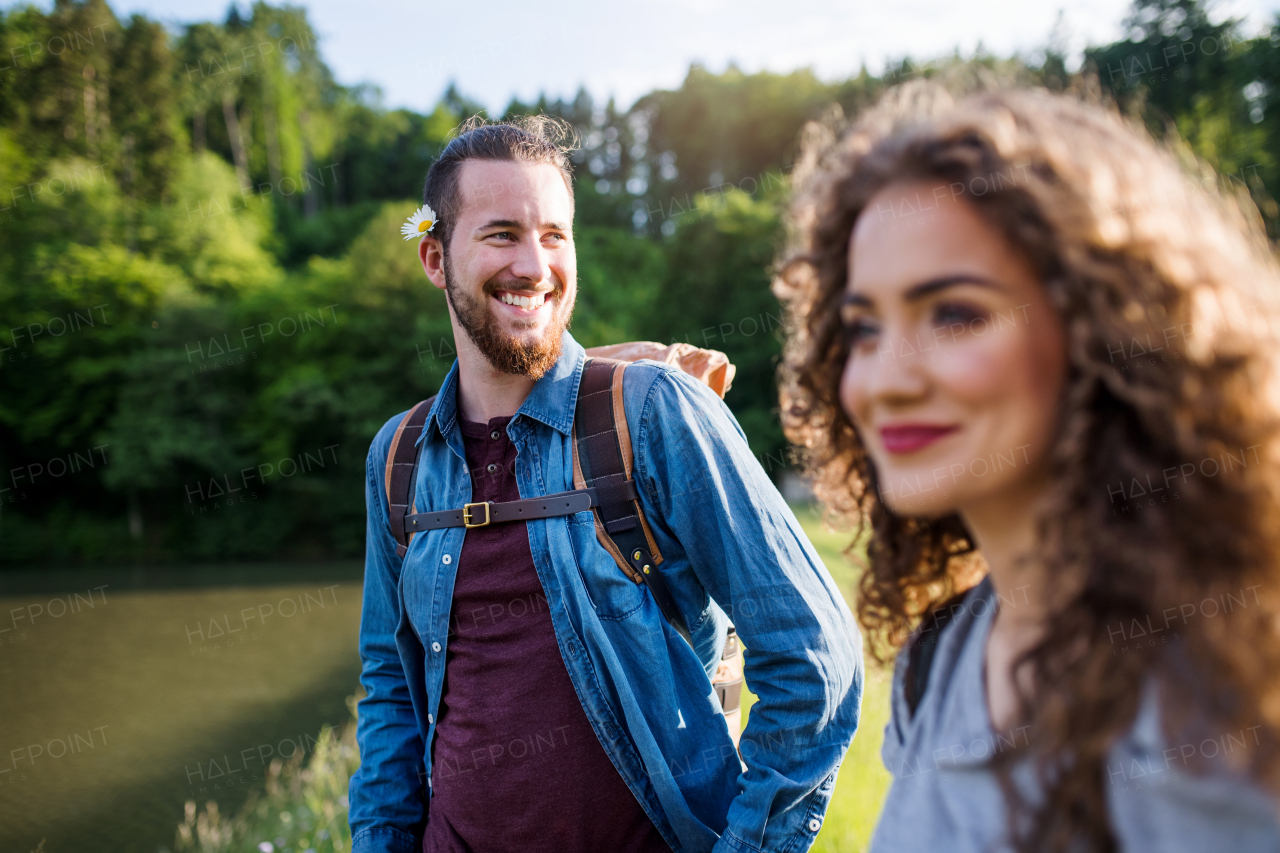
x: 504, y: 48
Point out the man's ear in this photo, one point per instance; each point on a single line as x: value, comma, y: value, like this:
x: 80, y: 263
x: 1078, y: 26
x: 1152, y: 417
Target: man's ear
x: 429, y: 252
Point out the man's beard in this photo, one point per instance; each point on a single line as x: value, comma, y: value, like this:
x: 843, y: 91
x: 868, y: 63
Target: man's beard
x: 506, y: 353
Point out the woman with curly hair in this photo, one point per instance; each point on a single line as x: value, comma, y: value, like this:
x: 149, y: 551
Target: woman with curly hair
x: 1032, y: 355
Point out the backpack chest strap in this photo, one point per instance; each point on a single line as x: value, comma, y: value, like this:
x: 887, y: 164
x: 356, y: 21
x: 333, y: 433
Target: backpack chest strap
x: 484, y: 513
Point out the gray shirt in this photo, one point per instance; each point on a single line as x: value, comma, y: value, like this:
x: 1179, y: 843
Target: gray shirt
x: 945, y: 796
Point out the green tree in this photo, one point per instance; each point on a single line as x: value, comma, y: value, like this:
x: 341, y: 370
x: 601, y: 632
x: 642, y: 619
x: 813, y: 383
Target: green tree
x: 144, y: 110
x: 620, y: 279
x: 1179, y: 71
x: 716, y: 294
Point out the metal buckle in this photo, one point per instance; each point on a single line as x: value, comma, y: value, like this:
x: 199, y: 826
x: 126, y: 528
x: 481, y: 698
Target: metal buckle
x: 466, y: 515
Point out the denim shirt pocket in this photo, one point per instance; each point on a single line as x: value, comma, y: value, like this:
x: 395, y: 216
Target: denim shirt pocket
x: 612, y: 593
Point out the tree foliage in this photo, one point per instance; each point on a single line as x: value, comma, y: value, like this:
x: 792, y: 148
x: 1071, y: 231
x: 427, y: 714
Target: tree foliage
x: 207, y: 310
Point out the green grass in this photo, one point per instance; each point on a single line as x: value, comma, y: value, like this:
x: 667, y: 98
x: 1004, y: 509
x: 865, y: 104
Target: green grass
x: 863, y: 781
x: 303, y: 809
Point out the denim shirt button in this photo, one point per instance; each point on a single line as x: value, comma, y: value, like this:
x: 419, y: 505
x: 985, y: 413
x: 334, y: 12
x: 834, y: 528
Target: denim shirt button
x: 435, y: 647
x: 431, y: 719
x: 446, y: 559
x: 814, y: 824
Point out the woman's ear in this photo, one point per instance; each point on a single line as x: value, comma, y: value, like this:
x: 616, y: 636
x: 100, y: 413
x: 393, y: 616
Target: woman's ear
x: 431, y: 253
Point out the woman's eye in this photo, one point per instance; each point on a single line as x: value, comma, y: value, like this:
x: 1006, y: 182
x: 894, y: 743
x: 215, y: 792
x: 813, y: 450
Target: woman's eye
x: 951, y: 313
x: 859, y: 331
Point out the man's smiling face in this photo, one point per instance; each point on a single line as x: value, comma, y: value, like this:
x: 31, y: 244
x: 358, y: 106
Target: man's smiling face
x: 510, y: 270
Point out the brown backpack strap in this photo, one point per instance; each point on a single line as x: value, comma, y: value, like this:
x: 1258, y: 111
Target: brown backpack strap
x: 602, y: 459
x: 402, y: 463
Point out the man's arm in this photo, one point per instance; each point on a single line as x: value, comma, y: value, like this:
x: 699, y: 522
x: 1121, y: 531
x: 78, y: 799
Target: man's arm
x: 387, y: 808
x: 804, y: 653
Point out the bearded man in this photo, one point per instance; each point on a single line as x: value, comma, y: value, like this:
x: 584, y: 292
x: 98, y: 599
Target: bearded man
x: 523, y: 693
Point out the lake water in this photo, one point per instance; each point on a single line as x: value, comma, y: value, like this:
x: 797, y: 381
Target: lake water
x: 126, y: 693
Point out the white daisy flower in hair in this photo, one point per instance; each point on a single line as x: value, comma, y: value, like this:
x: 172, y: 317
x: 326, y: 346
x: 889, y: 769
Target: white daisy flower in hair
x: 422, y: 221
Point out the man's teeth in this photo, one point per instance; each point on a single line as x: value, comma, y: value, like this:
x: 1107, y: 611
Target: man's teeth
x: 524, y: 301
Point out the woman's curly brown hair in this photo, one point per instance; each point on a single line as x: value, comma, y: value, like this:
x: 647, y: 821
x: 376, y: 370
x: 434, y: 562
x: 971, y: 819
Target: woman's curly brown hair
x: 1167, y: 291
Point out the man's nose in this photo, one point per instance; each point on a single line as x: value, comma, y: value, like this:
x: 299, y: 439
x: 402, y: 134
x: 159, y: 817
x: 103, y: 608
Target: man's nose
x: 531, y: 261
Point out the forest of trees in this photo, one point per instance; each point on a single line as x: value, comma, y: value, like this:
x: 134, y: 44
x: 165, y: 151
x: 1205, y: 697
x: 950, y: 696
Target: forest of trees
x: 206, y: 310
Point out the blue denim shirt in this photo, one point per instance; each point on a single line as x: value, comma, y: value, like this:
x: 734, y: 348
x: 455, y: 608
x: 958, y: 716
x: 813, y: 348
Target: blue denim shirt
x: 733, y: 551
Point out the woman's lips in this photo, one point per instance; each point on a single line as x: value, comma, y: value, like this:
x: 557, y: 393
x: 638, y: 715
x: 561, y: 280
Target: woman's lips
x: 906, y: 438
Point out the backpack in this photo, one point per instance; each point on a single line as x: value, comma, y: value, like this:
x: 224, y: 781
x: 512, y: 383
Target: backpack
x: 921, y: 648
x: 602, y: 462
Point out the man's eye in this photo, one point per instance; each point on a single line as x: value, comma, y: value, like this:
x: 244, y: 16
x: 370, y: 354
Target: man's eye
x: 503, y: 235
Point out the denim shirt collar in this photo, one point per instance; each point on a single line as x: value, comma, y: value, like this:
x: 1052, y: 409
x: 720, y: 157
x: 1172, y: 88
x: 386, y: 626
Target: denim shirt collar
x: 552, y: 401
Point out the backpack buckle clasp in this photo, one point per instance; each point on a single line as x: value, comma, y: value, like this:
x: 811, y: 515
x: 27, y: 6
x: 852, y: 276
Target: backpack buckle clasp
x: 466, y: 515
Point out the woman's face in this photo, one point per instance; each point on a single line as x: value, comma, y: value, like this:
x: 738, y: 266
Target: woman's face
x: 956, y: 359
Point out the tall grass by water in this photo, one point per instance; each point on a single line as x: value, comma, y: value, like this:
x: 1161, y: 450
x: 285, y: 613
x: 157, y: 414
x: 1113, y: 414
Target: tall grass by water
x: 302, y: 809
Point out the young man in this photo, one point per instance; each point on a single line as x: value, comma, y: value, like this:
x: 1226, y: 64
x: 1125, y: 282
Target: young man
x: 524, y: 694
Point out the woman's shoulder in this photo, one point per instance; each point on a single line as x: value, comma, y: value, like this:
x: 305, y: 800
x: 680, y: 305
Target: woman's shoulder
x: 942, y: 636
x: 1189, y: 791
x: 926, y: 665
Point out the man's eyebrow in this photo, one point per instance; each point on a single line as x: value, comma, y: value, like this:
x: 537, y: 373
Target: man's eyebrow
x: 511, y: 223
x: 925, y: 288
x: 500, y: 223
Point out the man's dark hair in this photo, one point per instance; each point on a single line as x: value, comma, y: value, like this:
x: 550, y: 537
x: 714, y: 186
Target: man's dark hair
x: 523, y: 139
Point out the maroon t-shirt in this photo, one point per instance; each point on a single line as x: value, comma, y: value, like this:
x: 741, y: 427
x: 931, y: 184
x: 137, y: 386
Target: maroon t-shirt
x: 516, y: 765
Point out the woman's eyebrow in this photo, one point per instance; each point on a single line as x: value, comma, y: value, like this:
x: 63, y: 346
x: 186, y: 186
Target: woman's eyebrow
x: 933, y: 285
x: 925, y: 288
